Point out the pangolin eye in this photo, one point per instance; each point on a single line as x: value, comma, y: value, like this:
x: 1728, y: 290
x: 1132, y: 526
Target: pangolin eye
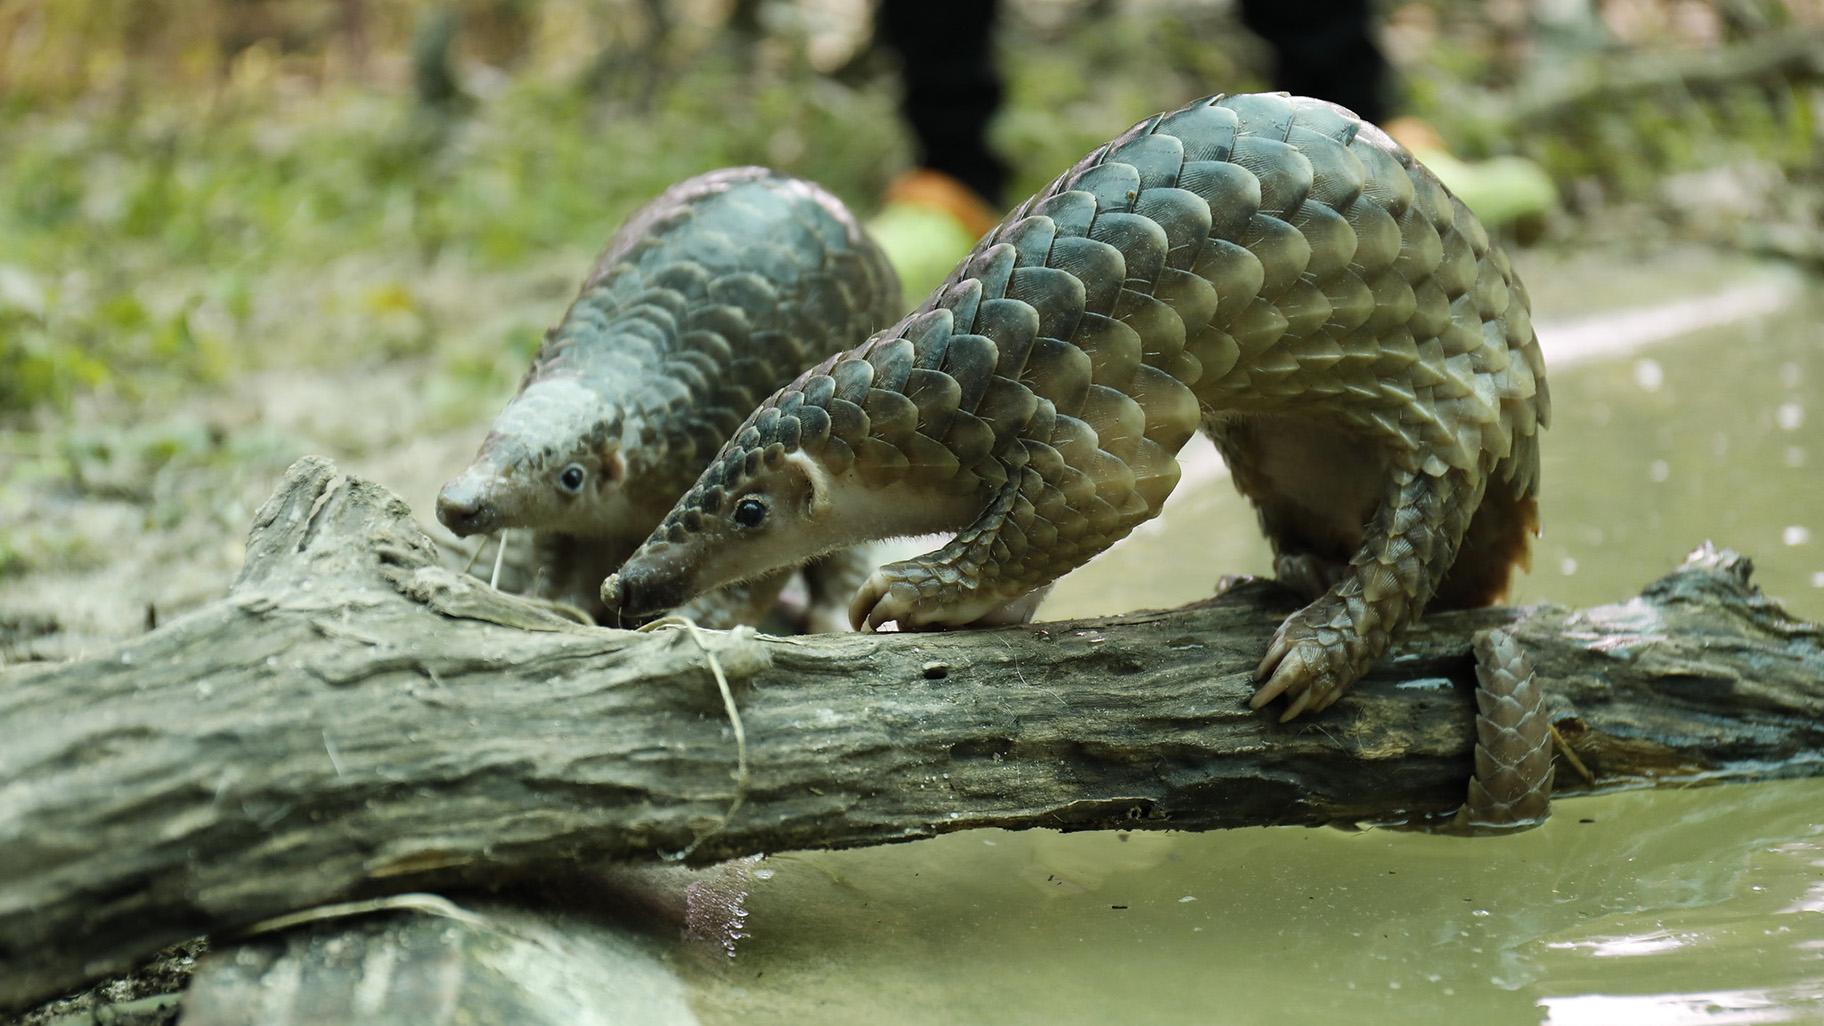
x: 750, y: 512
x: 571, y: 478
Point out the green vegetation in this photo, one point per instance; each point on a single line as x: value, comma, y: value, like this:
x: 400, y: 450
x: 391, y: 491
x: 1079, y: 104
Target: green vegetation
x: 205, y: 236
x: 180, y: 204
x: 189, y: 191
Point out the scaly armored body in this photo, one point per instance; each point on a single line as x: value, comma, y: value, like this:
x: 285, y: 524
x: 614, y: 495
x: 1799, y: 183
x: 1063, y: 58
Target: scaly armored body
x: 1269, y: 267
x: 707, y: 299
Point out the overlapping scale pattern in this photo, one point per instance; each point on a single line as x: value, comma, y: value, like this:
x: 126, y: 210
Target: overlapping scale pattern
x: 1512, y: 786
x: 1256, y: 252
x: 712, y: 296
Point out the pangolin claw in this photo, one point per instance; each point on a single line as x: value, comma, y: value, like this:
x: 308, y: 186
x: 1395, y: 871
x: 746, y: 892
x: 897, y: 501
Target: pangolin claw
x: 910, y: 595
x: 1301, y: 667
x: 881, y: 600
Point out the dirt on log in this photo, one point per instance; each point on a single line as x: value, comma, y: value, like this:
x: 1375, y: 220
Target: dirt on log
x: 353, y: 719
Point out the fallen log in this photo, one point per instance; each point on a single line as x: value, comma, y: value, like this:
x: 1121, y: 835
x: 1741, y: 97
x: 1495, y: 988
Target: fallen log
x: 354, y: 720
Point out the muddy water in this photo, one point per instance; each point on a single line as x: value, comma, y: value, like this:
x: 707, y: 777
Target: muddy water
x: 1689, y: 405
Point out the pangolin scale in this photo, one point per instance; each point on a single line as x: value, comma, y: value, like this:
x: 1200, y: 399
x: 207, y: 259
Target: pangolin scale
x: 1271, y: 268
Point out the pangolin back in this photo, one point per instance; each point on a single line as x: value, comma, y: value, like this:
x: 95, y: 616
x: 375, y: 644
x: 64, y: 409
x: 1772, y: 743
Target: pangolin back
x: 708, y: 298
x: 1255, y: 253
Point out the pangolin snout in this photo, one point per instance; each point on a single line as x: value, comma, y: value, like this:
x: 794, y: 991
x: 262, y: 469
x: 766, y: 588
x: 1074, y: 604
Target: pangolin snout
x: 464, y: 509
x: 613, y: 594
x: 636, y: 592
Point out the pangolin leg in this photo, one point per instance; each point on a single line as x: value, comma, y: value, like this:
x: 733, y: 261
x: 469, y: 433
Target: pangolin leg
x: 1325, y: 647
x: 563, y: 568
x: 1060, y: 503
x: 1305, y: 562
x: 969, y: 579
x: 1512, y: 786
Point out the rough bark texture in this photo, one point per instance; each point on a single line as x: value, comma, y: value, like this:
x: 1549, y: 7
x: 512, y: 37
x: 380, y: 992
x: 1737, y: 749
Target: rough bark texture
x: 354, y: 720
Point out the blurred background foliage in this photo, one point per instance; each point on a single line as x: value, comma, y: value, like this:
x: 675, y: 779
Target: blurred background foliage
x: 234, y: 231
x: 191, y: 189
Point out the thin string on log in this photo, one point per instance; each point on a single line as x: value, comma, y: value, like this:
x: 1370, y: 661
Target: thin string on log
x: 734, y: 721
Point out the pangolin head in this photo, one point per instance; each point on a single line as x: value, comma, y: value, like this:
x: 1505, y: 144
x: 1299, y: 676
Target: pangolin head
x: 836, y: 458
x: 553, y: 461
x: 754, y: 509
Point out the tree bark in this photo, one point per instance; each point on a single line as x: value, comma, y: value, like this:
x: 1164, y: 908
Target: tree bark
x: 355, y: 720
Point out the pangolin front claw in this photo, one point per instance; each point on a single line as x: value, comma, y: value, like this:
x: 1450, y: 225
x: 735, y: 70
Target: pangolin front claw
x: 885, y: 597
x: 1302, y: 664
x: 920, y: 597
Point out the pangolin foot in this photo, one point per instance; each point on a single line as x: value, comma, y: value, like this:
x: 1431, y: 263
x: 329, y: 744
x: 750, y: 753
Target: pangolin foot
x: 1311, y: 665
x: 885, y: 597
x: 917, y: 597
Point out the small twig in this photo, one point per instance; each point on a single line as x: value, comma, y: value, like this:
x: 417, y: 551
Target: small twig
x: 500, y: 556
x: 427, y: 904
x: 480, y: 543
x: 1570, y: 756
x: 329, y: 746
x: 1015, y: 658
x: 734, y: 718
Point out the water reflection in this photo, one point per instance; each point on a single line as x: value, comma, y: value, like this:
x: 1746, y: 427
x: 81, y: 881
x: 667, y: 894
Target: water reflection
x: 1640, y: 904
x: 1714, y: 1008
x: 1611, y: 947
x: 1708, y: 438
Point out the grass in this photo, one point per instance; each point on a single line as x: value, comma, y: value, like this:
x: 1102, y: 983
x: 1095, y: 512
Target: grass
x: 197, y: 238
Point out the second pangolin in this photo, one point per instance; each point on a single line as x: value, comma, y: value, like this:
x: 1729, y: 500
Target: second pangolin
x: 707, y: 299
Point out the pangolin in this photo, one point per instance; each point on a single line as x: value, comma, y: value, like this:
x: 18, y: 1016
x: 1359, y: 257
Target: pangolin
x: 1270, y: 267
x: 706, y: 299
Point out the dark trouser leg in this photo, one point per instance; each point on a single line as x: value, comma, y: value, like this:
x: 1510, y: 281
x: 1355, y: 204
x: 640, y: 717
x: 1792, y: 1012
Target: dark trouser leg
x: 1326, y: 49
x: 952, y: 85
